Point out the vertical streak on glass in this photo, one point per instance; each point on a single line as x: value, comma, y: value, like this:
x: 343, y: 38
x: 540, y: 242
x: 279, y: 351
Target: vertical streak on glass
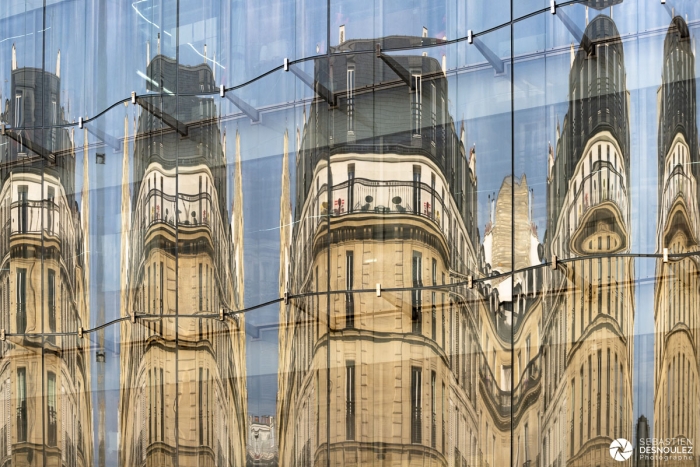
x: 328, y: 258
x: 512, y: 223
x: 177, y: 236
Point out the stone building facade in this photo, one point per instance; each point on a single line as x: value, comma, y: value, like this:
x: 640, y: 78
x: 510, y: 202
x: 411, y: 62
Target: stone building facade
x: 589, y: 308
x: 182, y: 257
x: 385, y: 195
x: 45, y: 403
x: 676, y: 309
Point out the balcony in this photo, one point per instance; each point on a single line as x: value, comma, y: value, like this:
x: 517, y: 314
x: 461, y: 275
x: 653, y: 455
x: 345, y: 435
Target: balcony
x: 529, y: 383
x: 159, y: 207
x: 499, y: 399
x: 503, y: 400
x: 364, y: 196
x: 680, y: 186
x: 600, y: 197
x: 48, y: 220
x: 35, y: 217
x: 191, y: 213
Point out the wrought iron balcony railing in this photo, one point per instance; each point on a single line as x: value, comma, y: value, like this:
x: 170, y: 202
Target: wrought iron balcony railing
x: 604, y: 184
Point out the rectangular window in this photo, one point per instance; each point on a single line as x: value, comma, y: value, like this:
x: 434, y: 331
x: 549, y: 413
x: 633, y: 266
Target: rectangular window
x: 51, y: 410
x: 21, y: 404
x: 580, y: 431
x: 349, y: 298
x: 573, y: 411
x: 52, y: 304
x: 52, y: 300
x: 443, y: 417
x: 590, y: 393
x: 433, y: 112
x: 433, y: 318
x: 615, y: 401
x: 161, y: 287
x: 527, y: 449
x: 351, y: 187
x: 599, y: 393
x: 150, y: 407
x: 21, y: 300
x: 351, y: 98
x: 149, y: 289
x: 416, y: 405
x: 19, y: 117
x: 433, y: 411
x: 23, y: 205
x: 506, y: 375
x: 621, y: 398
x: 442, y: 313
x: 350, y: 400
x: 155, y: 293
x: 607, y: 396
x: 431, y: 209
x: 50, y: 210
x: 417, y: 103
x: 416, y: 294
x: 201, y: 297
x: 201, y: 406
x: 162, y: 403
x: 416, y: 191
x: 600, y: 285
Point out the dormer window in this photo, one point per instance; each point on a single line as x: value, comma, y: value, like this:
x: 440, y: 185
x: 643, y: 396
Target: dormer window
x: 417, y: 103
x: 433, y: 112
x: 351, y: 98
x: 18, y: 109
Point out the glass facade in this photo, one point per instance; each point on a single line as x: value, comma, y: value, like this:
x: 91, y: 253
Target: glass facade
x: 329, y: 233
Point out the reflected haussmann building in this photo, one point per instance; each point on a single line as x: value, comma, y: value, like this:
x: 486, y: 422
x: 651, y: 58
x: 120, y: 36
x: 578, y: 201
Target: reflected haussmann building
x: 589, y: 307
x: 453, y: 375
x: 404, y: 368
x: 45, y: 404
x: 675, y: 299
x: 181, y: 256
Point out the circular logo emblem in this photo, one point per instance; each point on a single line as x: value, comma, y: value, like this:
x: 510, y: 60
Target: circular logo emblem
x: 621, y: 449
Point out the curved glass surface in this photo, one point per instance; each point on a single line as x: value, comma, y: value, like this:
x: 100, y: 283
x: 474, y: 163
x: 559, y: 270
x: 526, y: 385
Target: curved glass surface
x: 349, y: 233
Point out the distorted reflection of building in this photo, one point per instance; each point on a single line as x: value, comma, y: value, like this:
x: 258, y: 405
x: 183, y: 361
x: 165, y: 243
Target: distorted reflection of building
x: 511, y: 373
x: 588, y: 313
x: 262, y: 441
x: 45, y: 405
x: 676, y: 310
x: 181, y: 257
x: 642, y: 432
x: 403, y: 366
